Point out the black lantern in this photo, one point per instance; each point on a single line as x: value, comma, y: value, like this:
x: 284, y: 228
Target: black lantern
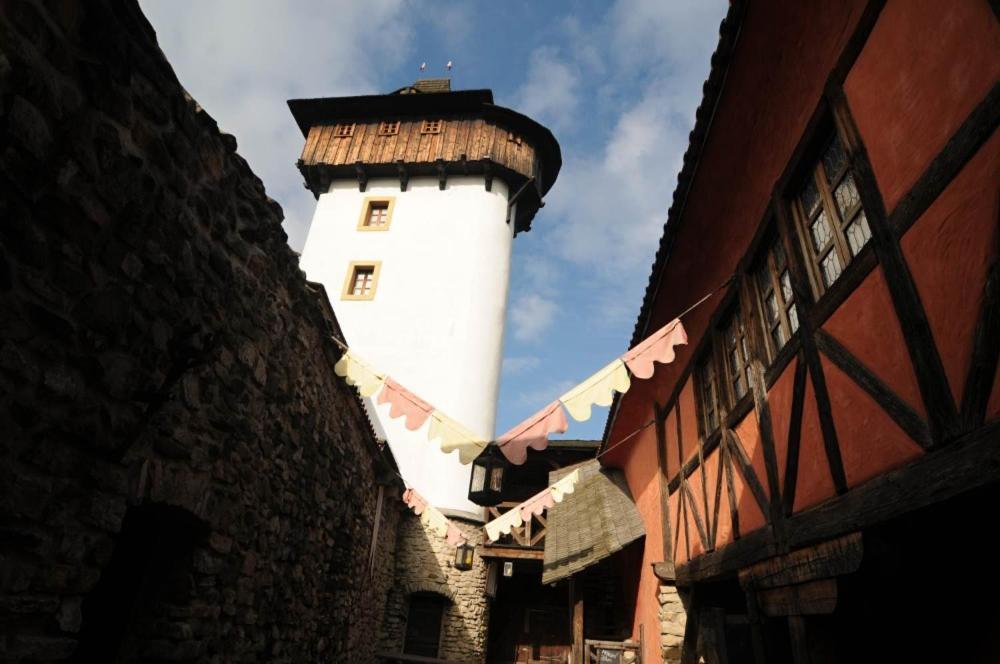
x: 463, y: 556
x: 486, y: 481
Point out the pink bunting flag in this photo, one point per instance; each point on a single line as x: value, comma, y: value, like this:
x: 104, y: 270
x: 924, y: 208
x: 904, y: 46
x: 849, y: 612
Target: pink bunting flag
x: 657, y: 347
x: 414, y: 501
x: 533, y: 432
x: 405, y: 403
x: 455, y: 536
x: 537, y: 504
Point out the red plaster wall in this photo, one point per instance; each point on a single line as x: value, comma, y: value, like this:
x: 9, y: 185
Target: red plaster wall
x: 689, y: 421
x: 814, y: 484
x: 779, y: 398
x: 949, y: 251
x: 867, y: 325
x: 680, y: 541
x: 751, y: 517
x: 907, y: 99
x: 673, y: 454
x: 993, y: 407
x: 870, y: 442
x: 696, y: 483
x: 724, y: 528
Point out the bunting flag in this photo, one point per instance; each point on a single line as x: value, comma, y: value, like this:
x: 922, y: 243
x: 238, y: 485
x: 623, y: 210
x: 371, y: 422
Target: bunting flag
x: 455, y: 437
x: 358, y: 373
x: 533, y: 432
x: 433, y: 518
x: 405, y: 404
x: 535, y: 505
x: 598, y: 390
x: 657, y: 347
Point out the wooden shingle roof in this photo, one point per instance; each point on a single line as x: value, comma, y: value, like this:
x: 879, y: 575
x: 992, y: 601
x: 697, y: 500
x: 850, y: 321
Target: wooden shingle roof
x: 596, y: 520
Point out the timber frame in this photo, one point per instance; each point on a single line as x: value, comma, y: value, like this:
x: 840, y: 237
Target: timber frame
x: 961, y: 450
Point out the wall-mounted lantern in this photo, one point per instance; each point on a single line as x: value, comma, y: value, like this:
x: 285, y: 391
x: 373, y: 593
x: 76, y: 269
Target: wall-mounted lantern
x: 486, y: 479
x: 463, y: 556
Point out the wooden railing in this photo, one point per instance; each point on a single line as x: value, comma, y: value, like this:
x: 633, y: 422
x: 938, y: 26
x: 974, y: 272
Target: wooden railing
x: 530, y: 535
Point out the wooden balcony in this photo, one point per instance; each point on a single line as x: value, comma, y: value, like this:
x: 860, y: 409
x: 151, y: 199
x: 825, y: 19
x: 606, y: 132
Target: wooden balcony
x: 525, y: 541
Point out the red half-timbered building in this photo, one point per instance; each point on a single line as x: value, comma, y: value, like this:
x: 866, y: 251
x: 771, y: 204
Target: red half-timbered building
x: 823, y: 477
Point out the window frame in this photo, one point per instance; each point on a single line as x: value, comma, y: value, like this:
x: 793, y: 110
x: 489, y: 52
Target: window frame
x: 366, y: 208
x: 349, y: 281
x: 344, y: 129
x: 744, y: 348
x: 707, y: 360
x: 432, y: 126
x: 388, y: 128
x: 812, y: 169
x: 766, y: 261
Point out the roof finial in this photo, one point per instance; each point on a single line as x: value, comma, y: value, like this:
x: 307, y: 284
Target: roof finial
x: 448, y: 66
x: 423, y: 66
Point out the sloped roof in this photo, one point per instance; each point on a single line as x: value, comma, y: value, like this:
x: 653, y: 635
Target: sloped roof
x: 596, y: 520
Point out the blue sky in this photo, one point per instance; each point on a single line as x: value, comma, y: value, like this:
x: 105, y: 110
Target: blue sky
x: 617, y: 82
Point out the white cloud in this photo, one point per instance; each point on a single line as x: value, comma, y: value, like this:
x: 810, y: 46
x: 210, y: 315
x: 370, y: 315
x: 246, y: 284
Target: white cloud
x: 541, y: 394
x: 242, y: 60
x: 531, y: 316
x: 550, y: 93
x: 513, y: 366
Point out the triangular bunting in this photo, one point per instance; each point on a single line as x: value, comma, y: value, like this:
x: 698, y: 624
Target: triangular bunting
x: 533, y: 432
x: 599, y: 389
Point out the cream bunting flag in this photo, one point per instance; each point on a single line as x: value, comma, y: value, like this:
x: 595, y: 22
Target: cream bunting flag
x: 599, y: 389
x: 356, y: 372
x: 536, y: 505
x: 432, y: 517
x: 455, y: 437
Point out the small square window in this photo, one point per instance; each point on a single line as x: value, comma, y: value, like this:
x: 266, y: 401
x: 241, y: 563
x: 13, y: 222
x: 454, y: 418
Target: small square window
x: 513, y: 138
x: 388, y: 128
x: 362, y: 278
x: 376, y: 214
x: 344, y: 130
x: 708, y: 395
x: 431, y: 126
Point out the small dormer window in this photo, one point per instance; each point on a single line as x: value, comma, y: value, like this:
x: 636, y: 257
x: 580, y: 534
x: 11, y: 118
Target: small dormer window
x: 431, y: 126
x: 344, y: 130
x: 513, y: 138
x: 388, y: 128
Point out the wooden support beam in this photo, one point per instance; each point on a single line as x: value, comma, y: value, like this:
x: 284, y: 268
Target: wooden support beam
x: 442, y: 174
x: 404, y: 175
x: 359, y: 170
x: 821, y: 561
x: 985, y: 354
x: 802, y: 599
x: 576, y: 597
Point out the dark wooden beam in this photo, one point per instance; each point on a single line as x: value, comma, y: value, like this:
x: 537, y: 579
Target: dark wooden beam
x: 794, y: 437
x: 660, y: 417
x: 802, y: 599
x: 404, y: 174
x: 897, y: 409
x: 849, y: 55
x: 578, y: 608
x: 510, y: 552
x: 699, y: 524
x: 362, y: 175
x: 442, y: 174
x: 985, y: 350
x: 764, y: 422
x: 821, y: 561
x: 725, y: 459
x: 732, y: 442
x: 970, y: 462
x: 942, y: 414
x: 488, y: 174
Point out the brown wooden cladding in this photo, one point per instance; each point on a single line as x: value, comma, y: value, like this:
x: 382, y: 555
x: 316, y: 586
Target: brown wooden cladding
x: 473, y: 137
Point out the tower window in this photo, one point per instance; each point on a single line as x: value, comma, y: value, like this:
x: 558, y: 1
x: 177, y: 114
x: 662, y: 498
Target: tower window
x: 513, y: 138
x: 362, y: 278
x: 344, y: 130
x: 376, y: 214
x: 431, y: 126
x: 832, y: 224
x: 388, y: 128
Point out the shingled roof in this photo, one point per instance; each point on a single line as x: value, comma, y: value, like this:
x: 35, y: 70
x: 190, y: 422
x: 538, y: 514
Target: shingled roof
x: 596, y: 520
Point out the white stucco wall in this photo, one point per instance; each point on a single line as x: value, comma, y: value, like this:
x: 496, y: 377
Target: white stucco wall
x: 436, y: 321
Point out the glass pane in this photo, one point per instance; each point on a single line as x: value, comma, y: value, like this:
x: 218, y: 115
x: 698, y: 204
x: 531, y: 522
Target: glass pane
x: 734, y: 360
x: 779, y: 254
x: 809, y: 197
x: 496, y: 478
x: 739, y: 387
x: 831, y: 267
x: 847, y: 196
x: 478, y: 478
x: 778, y: 337
x: 835, y: 159
x: 763, y: 279
x: 793, y: 318
x: 820, y: 230
x: 771, y: 308
x: 858, y: 233
x: 786, y: 286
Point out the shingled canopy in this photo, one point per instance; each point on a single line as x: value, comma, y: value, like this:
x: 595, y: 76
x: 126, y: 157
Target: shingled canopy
x: 596, y: 520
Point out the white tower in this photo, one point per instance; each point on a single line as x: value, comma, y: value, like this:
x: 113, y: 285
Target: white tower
x: 420, y: 193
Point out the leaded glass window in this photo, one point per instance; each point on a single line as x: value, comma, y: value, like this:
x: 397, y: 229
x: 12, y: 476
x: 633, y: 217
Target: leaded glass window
x: 777, y: 300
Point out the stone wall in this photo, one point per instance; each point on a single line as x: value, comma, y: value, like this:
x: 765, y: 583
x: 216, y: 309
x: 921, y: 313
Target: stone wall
x: 181, y: 473
x: 425, y: 563
x: 673, y: 619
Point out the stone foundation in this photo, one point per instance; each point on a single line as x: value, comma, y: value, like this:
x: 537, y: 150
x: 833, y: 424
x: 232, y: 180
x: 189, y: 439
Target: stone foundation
x: 673, y: 619
x: 425, y: 563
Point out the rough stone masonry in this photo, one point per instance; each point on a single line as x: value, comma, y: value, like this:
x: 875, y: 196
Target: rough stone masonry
x: 181, y: 473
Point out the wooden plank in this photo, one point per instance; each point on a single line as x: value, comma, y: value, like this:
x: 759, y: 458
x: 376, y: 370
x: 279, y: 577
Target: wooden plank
x: 985, y: 353
x: 894, y: 406
x: 510, y: 552
x: 766, y: 427
x: 578, y: 639
x: 725, y: 460
x: 311, y: 139
x: 746, y: 470
x: 693, y: 506
x: 660, y: 417
x: 821, y: 561
x: 325, y: 149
